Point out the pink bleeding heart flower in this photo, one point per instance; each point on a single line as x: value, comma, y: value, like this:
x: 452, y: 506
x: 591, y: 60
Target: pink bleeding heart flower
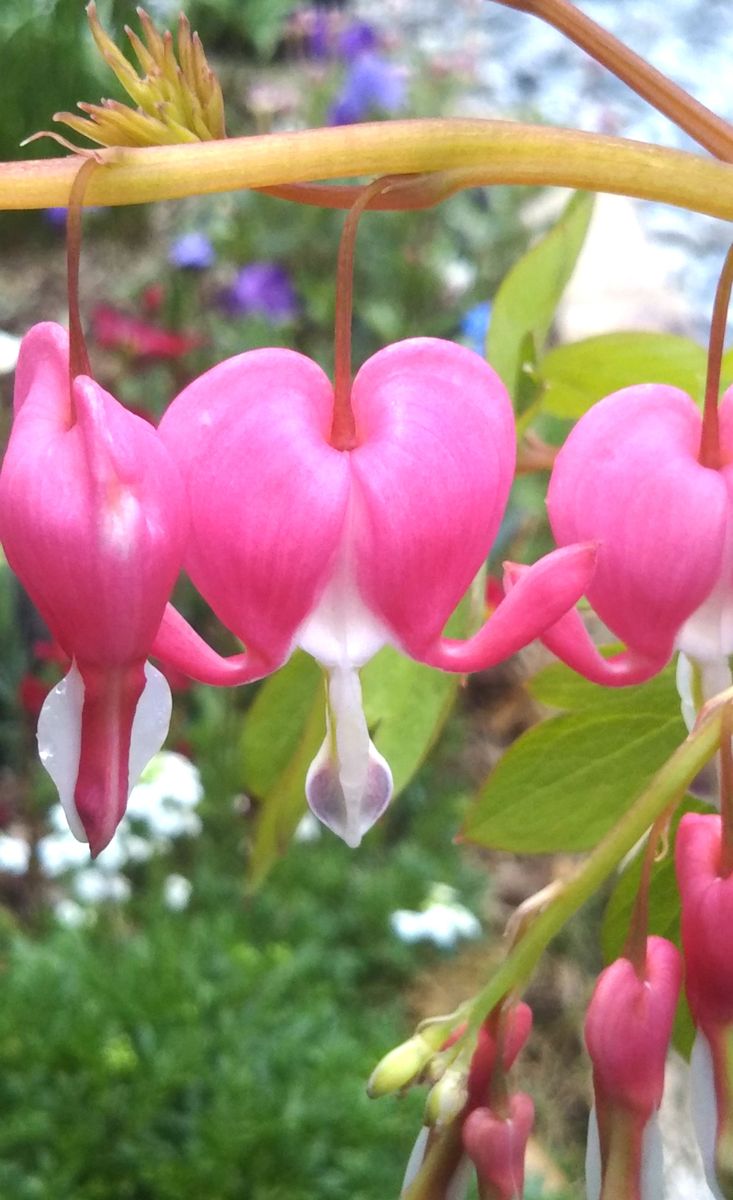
x: 341, y: 551
x: 627, y: 1031
x: 496, y: 1143
x: 630, y: 477
x: 93, y: 522
x: 707, y: 918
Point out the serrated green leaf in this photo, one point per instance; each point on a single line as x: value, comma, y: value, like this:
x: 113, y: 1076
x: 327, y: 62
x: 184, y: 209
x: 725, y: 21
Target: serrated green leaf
x: 526, y: 301
x: 664, y: 915
x: 564, y: 783
x: 559, y: 687
x: 577, y: 375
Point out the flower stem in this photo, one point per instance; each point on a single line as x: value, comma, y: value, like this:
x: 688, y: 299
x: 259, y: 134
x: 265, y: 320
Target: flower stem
x: 476, y: 152
x: 710, y: 439
x: 343, y: 429
x: 78, y: 356
x: 705, y: 126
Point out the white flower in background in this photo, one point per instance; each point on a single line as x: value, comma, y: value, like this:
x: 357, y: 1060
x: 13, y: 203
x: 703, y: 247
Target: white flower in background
x: 161, y: 807
x: 177, y: 892
x: 9, y: 350
x: 166, y: 796
x: 442, y: 920
x: 72, y: 915
x: 95, y: 884
x: 14, y: 854
x: 308, y: 829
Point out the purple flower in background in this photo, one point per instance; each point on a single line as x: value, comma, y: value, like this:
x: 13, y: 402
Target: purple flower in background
x: 356, y: 38
x: 319, y: 35
x: 191, y: 251
x: 262, y: 289
x: 57, y: 216
x: 475, y: 326
x: 371, y: 83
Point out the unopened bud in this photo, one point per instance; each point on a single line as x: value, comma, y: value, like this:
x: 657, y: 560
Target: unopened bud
x: 447, y: 1099
x: 401, y: 1067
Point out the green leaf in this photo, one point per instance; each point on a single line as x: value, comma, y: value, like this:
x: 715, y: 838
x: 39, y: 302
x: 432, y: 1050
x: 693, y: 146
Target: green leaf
x: 664, y: 915
x: 406, y: 705
x: 275, y: 721
x: 577, y: 375
x: 559, y: 687
x: 565, y: 782
x: 526, y: 301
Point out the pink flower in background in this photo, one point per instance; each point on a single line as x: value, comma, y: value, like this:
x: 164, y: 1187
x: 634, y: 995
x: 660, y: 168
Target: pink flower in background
x: 93, y: 522
x: 341, y: 551
x: 707, y: 919
x: 627, y: 1032
x: 117, y: 330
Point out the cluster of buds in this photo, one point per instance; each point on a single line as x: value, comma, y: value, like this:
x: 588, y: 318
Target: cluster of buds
x: 473, y: 1123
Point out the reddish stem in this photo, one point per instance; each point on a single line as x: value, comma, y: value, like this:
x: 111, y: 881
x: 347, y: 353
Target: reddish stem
x: 706, y: 127
x: 709, y: 455
x: 636, y: 939
x: 78, y: 357
x: 343, y: 429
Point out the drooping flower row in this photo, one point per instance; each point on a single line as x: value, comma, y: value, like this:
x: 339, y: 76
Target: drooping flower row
x: 292, y: 541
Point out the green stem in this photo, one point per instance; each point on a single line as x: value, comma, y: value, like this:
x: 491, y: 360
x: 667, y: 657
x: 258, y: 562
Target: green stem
x: 670, y: 782
x: 477, y: 152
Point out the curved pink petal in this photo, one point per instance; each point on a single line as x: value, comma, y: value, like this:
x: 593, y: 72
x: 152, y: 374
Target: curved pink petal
x: 431, y: 475
x: 178, y: 645
x: 539, y: 596
x: 628, y: 477
x: 707, y: 913
x: 569, y: 640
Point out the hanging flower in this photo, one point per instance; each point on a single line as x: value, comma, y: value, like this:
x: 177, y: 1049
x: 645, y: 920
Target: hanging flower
x: 707, y: 915
x: 630, y: 477
x: 93, y: 522
x: 627, y: 1032
x: 296, y: 542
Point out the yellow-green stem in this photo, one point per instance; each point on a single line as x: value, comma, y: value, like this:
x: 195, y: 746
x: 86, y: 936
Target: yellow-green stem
x: 669, y: 783
x: 479, y: 152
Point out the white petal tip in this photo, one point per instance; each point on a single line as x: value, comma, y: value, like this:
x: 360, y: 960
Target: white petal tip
x: 349, y: 812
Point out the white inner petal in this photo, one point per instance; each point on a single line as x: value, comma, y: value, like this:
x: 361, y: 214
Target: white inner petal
x: 704, y: 1107
x: 59, y: 742
x: 349, y: 783
x: 415, y: 1161
x: 698, y: 680
x: 59, y: 734
x: 151, y: 722
x: 652, y: 1161
x: 593, y: 1158
x: 341, y: 630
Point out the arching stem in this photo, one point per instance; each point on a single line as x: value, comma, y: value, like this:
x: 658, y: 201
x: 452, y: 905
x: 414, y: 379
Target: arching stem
x: 710, y: 439
x: 343, y: 429
x: 635, y: 946
x: 78, y: 357
x: 707, y: 129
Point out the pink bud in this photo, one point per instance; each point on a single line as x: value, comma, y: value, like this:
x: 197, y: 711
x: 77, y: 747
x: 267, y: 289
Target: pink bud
x: 707, y: 913
x: 629, y: 1025
x: 93, y: 521
x: 497, y: 1146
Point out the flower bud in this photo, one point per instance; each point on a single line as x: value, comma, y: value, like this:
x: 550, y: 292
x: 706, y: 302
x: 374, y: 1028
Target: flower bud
x: 497, y: 1146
